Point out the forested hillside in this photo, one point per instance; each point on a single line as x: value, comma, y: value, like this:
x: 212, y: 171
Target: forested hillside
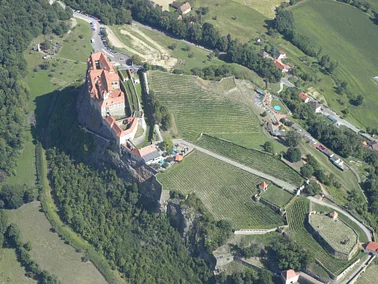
x: 107, y: 212
x: 20, y: 22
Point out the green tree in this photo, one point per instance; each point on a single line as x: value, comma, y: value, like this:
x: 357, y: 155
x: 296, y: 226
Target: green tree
x: 167, y: 144
x: 293, y: 155
x: 268, y: 147
x: 307, y: 170
x: 28, y: 246
x: 313, y: 188
x: 265, y: 277
x: 292, y: 138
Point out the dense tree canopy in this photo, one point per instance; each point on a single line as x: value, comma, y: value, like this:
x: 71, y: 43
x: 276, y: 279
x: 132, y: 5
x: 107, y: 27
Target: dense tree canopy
x: 20, y: 22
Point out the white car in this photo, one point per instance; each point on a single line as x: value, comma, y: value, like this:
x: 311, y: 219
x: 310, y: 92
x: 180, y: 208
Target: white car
x: 92, y: 40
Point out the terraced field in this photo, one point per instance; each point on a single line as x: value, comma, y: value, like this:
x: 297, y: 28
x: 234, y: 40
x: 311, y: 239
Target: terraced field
x: 225, y: 190
x: 296, y: 215
x: 277, y: 196
x: 197, y: 110
x: 252, y: 158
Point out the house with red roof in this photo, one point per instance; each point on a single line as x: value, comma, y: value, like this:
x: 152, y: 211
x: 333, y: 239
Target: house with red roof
x: 280, y: 55
x: 149, y: 154
x: 334, y: 215
x: 282, y: 66
x: 289, y: 276
x: 263, y: 186
x: 304, y: 97
x: 179, y: 158
x: 372, y: 248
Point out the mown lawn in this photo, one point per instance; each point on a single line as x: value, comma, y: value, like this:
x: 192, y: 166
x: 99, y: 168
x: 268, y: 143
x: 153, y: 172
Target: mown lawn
x: 10, y: 269
x: 266, y: 7
x: 277, y: 196
x: 296, y: 216
x: 225, y: 190
x: 251, y: 158
x: 49, y: 251
x: 349, y: 37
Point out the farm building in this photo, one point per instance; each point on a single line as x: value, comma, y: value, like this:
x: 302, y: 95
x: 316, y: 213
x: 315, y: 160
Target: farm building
x: 372, y: 248
x: 304, y: 97
x: 182, y: 9
x: 289, y: 276
x: 334, y: 215
x: 149, y: 154
x: 179, y: 158
x: 263, y: 186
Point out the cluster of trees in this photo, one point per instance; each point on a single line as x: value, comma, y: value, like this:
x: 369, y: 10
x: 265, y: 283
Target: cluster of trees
x: 312, y: 188
x: 161, y: 113
x: 112, y: 216
x: 10, y: 236
x: 191, y: 28
x: 13, y: 196
x: 248, y: 276
x: 20, y: 22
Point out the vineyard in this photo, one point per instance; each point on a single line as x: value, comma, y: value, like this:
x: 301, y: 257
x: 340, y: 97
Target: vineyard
x: 197, y: 110
x: 225, y: 190
x: 296, y: 215
x: 252, y: 158
x: 277, y: 196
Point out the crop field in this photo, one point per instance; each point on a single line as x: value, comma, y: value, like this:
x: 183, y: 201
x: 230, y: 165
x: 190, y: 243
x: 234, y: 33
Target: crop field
x: 198, y: 110
x: 349, y: 37
x: 277, y: 196
x: 49, y: 251
x: 265, y: 7
x: 252, y: 158
x: 225, y: 190
x: 369, y: 276
x: 296, y: 215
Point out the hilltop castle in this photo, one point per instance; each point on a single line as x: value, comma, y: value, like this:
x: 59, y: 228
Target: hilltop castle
x: 107, y: 98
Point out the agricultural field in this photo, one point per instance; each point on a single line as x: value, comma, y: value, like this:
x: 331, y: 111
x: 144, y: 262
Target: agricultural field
x: 349, y: 37
x: 266, y: 7
x: 252, y: 158
x: 49, y: 251
x: 277, y: 196
x: 202, y: 108
x: 296, y: 216
x: 370, y: 275
x: 225, y: 190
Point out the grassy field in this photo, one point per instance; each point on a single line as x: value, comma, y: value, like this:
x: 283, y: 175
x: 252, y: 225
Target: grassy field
x: 266, y: 7
x: 203, y: 107
x: 252, y: 158
x: 283, y: 110
x: 296, y: 215
x: 350, y: 38
x: 369, y: 276
x: 343, y: 241
x: 10, y: 269
x: 225, y: 190
x: 277, y: 196
x: 49, y: 251
x: 324, y: 209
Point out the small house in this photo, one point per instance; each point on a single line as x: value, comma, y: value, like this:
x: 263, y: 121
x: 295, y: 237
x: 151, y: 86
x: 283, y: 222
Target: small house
x: 334, y: 215
x: 184, y: 9
x: 289, y: 276
x: 280, y: 55
x: 372, y: 248
x: 264, y: 54
x: 263, y: 186
x: 282, y: 66
x: 304, y: 97
x: 316, y: 107
x: 179, y: 157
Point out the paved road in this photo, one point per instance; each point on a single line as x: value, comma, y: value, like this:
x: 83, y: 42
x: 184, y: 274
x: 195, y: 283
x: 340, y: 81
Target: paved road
x: 275, y: 180
x: 287, y: 83
x: 366, y: 231
x: 98, y: 45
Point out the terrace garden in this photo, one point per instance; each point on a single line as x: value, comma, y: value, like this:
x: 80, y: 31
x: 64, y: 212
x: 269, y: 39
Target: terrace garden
x: 224, y: 189
x: 336, y: 233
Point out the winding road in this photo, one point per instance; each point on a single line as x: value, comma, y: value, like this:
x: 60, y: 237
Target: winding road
x: 273, y: 179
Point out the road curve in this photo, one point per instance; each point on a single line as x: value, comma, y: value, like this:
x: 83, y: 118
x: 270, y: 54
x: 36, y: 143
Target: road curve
x: 275, y: 180
x: 366, y: 231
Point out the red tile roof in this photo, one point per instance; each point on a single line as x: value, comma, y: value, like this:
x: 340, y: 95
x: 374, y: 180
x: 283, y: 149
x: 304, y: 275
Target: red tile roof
x: 372, y: 246
x: 179, y: 158
x: 288, y: 274
x: 280, y: 65
x: 263, y: 185
x: 303, y: 96
x: 183, y: 8
x: 334, y: 214
x: 147, y: 150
